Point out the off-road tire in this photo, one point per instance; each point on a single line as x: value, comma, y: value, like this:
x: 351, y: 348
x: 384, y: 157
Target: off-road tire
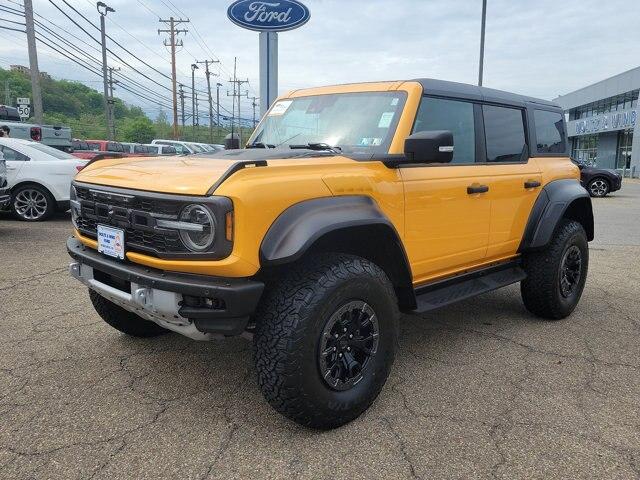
x: 124, y: 320
x: 45, y: 211
x: 290, y: 321
x: 541, y: 291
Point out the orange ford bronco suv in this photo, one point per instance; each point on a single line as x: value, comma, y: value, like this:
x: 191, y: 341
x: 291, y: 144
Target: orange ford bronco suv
x: 349, y: 205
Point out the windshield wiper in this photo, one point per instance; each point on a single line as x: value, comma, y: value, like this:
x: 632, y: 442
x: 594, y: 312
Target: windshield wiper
x: 316, y: 146
x: 260, y: 145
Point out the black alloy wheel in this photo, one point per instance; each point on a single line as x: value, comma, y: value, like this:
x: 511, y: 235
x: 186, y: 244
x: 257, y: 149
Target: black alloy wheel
x: 348, y: 343
x: 570, y: 271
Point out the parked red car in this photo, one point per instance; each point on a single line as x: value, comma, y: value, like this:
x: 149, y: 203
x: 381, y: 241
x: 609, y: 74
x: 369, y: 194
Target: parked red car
x: 82, y: 149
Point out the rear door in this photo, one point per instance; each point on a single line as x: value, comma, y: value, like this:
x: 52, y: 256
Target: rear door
x: 515, y: 179
x: 447, y: 211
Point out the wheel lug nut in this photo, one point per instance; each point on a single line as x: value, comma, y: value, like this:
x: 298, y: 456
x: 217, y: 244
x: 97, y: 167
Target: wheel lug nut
x: 340, y: 354
x: 336, y: 335
x: 344, y: 329
x: 335, y: 348
x: 348, y: 349
x: 351, y: 335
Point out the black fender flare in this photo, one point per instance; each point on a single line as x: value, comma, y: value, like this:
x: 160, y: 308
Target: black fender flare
x: 558, y: 199
x: 360, y: 228
x: 300, y: 225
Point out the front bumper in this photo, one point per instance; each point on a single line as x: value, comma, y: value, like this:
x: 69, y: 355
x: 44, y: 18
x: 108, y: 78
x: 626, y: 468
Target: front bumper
x: 197, y: 306
x: 616, y: 184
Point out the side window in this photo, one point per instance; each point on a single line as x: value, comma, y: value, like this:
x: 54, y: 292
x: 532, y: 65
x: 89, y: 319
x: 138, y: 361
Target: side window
x: 504, y: 131
x: 11, y: 155
x: 550, y: 132
x: 453, y: 115
x: 180, y: 149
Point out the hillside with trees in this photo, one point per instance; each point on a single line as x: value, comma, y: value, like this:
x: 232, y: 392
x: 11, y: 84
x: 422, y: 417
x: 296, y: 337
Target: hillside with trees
x: 81, y: 108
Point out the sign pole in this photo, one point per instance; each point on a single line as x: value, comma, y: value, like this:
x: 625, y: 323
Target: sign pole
x: 268, y: 18
x: 268, y: 70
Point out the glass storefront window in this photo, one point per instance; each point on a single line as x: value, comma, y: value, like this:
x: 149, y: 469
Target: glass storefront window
x: 624, y: 101
x: 623, y: 155
x: 585, y: 149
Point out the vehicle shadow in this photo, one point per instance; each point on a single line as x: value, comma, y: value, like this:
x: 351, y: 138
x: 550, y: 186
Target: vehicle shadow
x: 177, y: 369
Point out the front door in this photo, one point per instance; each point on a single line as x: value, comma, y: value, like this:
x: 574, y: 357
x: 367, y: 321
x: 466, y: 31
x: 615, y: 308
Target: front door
x: 447, y: 213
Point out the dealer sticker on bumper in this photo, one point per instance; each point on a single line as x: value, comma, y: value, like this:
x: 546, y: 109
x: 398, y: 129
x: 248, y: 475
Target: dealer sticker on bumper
x: 111, y: 241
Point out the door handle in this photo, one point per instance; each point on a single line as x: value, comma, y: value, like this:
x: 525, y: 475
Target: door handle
x: 531, y: 184
x: 471, y: 189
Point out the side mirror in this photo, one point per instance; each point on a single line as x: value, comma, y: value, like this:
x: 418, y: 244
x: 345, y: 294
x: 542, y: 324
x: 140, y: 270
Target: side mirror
x: 432, y: 146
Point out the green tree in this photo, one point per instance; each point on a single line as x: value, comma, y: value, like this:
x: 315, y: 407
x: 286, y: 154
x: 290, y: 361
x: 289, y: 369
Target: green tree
x: 138, y: 129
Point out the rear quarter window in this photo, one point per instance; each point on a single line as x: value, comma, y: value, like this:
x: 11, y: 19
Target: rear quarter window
x: 550, y: 131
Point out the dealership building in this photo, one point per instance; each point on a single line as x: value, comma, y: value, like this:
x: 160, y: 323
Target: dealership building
x: 601, y: 119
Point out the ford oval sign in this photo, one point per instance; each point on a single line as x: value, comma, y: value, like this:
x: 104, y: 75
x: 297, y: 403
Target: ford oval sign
x: 264, y: 16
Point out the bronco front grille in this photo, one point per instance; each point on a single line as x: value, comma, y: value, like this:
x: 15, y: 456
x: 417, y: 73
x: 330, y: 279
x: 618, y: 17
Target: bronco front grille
x: 138, y: 214
x: 135, y: 215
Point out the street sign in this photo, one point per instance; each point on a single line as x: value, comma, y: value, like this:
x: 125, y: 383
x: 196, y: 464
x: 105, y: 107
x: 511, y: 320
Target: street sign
x: 23, y: 101
x: 24, y: 111
x: 273, y: 16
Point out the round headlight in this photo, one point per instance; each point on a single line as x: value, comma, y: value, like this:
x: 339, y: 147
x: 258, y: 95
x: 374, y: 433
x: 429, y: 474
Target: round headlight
x: 201, y: 237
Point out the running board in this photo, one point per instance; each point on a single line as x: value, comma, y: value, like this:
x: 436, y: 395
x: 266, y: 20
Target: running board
x: 461, y: 287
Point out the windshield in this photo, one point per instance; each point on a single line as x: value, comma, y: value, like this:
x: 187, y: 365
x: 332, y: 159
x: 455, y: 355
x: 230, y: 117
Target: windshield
x: 59, y: 154
x: 362, y: 122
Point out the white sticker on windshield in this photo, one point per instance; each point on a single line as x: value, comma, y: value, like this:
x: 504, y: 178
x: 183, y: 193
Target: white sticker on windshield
x: 394, y: 102
x: 385, y: 119
x: 280, y: 107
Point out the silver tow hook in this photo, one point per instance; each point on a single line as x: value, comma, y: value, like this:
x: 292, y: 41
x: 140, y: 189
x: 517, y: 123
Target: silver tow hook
x: 143, y: 297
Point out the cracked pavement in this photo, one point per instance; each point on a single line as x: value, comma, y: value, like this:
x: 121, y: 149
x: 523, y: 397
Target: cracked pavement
x: 479, y: 390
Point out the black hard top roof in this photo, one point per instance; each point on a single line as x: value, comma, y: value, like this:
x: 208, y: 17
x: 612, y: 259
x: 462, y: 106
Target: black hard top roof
x: 473, y: 92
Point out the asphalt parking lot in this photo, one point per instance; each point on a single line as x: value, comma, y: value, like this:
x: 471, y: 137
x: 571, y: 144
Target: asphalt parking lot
x: 479, y: 390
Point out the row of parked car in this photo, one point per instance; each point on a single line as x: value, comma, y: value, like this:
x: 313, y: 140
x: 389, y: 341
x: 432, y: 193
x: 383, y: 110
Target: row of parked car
x: 89, y: 149
x: 35, y: 178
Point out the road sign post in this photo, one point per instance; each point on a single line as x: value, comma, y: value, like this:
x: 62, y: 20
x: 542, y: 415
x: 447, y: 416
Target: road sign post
x: 24, y: 107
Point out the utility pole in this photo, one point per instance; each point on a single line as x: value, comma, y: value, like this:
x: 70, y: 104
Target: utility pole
x: 218, y: 85
x: 182, y: 104
x: 173, y: 32
x: 197, y: 119
x: 7, y: 93
x: 237, y: 85
x: 194, y: 67
x: 36, y: 93
x: 208, y: 74
x: 103, y: 10
x: 254, y: 105
x: 484, y: 19
x: 112, y: 113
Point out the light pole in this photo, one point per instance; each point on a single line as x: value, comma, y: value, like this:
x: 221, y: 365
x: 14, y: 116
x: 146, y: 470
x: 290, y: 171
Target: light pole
x: 484, y: 19
x: 194, y: 67
x: 103, y: 10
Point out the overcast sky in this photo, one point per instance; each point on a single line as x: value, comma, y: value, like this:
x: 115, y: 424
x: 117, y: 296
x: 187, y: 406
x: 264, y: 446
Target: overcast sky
x: 541, y: 48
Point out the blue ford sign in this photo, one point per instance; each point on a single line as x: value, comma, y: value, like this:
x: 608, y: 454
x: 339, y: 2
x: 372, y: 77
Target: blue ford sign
x: 268, y: 16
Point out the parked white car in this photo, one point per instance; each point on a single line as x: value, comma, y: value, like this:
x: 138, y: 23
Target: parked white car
x: 39, y: 178
x: 5, y: 198
x: 181, y: 147
x: 162, y: 150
